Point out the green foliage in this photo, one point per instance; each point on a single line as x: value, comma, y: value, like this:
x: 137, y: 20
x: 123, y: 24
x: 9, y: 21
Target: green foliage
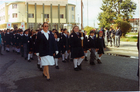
x: 88, y: 29
x: 124, y: 26
x: 114, y: 9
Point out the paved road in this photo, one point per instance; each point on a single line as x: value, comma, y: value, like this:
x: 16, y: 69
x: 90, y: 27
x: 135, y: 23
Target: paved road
x: 114, y: 74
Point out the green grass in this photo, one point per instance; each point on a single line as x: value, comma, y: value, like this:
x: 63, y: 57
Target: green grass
x: 131, y: 33
x: 129, y: 39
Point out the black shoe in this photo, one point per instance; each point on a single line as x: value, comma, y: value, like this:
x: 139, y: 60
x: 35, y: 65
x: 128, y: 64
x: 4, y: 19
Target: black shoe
x: 71, y: 60
x: 1, y: 54
x: 44, y: 75
x: 32, y: 59
x: 29, y: 60
x: 76, y: 69
x: 18, y: 53
x: 67, y: 60
x: 48, y: 79
x: 64, y: 61
x: 57, y: 67
x: 92, y: 63
x: 38, y: 66
x: 79, y: 67
x: 99, y: 61
x: 41, y: 69
x: 86, y: 59
x: 13, y: 51
x: 25, y: 58
x: 21, y: 55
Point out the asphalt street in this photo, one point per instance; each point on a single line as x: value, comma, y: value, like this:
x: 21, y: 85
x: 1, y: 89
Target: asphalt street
x: 116, y: 73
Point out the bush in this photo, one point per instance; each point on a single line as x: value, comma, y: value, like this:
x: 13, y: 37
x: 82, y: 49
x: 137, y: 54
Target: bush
x: 124, y: 26
x: 88, y: 29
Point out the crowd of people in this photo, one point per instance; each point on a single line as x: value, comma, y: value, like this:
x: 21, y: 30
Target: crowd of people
x: 50, y: 45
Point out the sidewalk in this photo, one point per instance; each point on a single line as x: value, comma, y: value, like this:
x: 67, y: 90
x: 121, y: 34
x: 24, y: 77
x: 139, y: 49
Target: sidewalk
x: 126, y: 48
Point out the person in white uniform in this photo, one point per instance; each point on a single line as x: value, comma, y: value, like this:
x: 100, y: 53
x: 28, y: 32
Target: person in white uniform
x: 46, y: 48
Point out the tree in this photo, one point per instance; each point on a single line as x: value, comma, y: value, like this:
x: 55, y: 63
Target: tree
x: 114, y: 9
x: 88, y: 29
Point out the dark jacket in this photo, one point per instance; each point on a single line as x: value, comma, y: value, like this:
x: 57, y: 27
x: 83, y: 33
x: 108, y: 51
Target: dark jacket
x: 118, y: 32
x: 92, y: 42
x: 45, y: 47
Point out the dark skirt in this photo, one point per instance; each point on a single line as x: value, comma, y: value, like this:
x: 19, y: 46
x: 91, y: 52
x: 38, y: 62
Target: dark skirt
x: 77, y: 52
x: 58, y: 55
x: 101, y: 51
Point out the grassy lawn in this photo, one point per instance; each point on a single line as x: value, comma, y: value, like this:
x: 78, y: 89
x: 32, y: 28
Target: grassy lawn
x: 129, y: 39
x: 132, y: 33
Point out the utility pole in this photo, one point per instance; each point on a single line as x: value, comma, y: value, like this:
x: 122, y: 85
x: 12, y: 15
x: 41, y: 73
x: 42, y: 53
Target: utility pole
x: 81, y: 15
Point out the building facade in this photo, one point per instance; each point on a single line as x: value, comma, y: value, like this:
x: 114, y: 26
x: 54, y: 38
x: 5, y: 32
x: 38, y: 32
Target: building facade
x: 135, y: 24
x: 34, y: 13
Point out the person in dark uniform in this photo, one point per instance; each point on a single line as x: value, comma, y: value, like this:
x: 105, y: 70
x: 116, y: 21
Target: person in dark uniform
x: 17, y: 42
x: 0, y: 43
x: 4, y: 39
x: 65, y: 46
x: 14, y: 41
x: 58, y: 56
x: 77, y: 52
x: 30, y: 46
x: 92, y: 47
x: 8, y: 40
x: 85, y: 45
x: 100, y: 46
x: 25, y: 44
x: 21, y: 43
x: 47, y: 48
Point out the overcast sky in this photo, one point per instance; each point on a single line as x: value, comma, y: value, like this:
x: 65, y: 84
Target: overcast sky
x: 90, y: 16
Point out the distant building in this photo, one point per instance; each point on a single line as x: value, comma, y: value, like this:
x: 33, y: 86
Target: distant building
x: 135, y: 24
x: 56, y: 13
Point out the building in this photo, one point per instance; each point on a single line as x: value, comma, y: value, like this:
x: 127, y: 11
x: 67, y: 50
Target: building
x: 135, y: 24
x: 34, y: 13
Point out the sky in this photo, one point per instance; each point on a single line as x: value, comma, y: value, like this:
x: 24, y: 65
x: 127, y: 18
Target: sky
x: 91, y: 11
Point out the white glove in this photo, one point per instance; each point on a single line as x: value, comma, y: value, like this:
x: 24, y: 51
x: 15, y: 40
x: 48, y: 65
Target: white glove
x: 37, y: 54
x: 58, y: 39
x: 82, y: 38
x: 56, y: 52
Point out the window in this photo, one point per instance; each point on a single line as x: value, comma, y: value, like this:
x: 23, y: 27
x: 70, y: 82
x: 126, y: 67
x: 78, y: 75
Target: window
x: 46, y: 15
x: 14, y: 15
x: 31, y: 15
x: 14, y: 6
x: 72, y: 16
x: 31, y: 25
x: 61, y: 16
x: 72, y: 8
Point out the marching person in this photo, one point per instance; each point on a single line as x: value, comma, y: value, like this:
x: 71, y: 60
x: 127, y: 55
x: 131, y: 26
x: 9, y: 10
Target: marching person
x: 100, y: 46
x: 77, y: 52
x: 25, y: 44
x: 17, y: 42
x: 85, y: 45
x: 8, y: 40
x: 4, y: 39
x: 92, y: 47
x: 117, y: 36
x: 0, y: 44
x: 47, y: 48
x: 65, y: 46
x: 58, y: 56
x: 30, y: 46
x: 14, y: 41
x: 21, y: 43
